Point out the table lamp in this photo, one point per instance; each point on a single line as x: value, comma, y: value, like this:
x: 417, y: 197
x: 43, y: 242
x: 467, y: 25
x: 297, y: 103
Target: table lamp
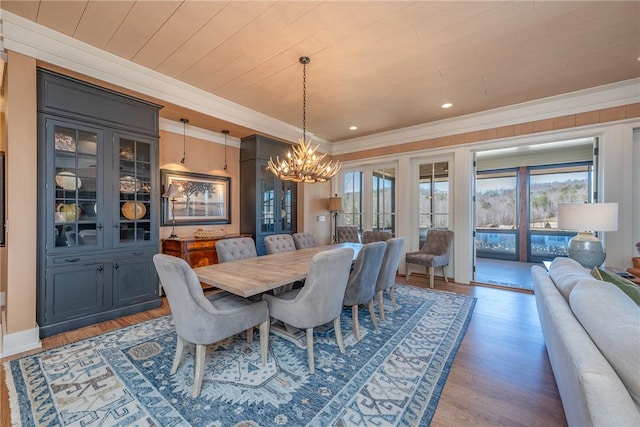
x: 335, y: 206
x: 172, y: 194
x: 587, y: 218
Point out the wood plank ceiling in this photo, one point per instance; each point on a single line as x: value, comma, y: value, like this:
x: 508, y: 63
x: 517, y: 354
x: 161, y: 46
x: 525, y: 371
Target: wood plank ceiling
x: 379, y: 65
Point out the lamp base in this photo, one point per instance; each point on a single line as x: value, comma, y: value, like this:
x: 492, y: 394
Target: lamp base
x: 587, y: 250
x: 173, y: 236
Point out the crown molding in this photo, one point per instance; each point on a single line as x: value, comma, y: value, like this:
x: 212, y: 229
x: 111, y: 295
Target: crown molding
x: 596, y: 98
x: 28, y: 38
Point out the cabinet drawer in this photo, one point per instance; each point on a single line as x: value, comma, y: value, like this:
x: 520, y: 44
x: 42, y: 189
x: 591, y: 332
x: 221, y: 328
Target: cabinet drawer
x: 72, y: 259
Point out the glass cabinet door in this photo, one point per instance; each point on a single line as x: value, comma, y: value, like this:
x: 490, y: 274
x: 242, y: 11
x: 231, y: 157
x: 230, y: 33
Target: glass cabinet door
x: 267, y: 204
x: 134, y: 190
x: 287, y: 207
x: 76, y: 193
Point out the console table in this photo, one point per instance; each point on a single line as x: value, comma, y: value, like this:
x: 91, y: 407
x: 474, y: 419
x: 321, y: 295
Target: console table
x: 197, y: 251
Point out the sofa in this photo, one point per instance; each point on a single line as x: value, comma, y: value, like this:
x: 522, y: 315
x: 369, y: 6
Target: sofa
x: 592, y: 334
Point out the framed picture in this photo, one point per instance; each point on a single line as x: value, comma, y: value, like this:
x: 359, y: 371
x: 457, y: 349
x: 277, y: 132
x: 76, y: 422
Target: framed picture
x: 195, y: 199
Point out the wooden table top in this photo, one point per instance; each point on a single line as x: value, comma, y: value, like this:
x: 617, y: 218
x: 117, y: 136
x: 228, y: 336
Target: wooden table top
x: 251, y: 276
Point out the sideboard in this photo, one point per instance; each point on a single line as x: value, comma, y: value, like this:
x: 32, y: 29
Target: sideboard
x: 197, y: 251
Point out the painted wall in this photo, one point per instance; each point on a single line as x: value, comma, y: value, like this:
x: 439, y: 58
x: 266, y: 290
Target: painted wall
x: 207, y: 157
x: 21, y: 193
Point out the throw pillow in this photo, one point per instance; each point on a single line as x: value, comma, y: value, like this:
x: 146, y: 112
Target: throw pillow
x: 629, y: 288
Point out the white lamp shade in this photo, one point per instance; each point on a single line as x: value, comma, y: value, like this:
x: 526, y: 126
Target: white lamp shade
x: 172, y: 193
x: 588, y: 216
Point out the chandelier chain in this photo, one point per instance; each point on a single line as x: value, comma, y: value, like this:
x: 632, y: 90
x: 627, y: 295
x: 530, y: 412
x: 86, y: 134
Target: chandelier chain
x: 304, y: 101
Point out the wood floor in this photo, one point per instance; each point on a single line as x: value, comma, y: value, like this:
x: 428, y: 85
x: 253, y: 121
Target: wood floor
x: 500, y: 377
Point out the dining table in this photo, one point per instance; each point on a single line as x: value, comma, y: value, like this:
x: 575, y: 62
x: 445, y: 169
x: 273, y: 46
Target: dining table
x: 252, y: 276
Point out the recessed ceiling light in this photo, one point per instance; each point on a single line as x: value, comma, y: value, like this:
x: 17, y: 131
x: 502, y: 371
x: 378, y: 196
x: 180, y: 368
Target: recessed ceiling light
x: 447, y: 105
x: 353, y: 127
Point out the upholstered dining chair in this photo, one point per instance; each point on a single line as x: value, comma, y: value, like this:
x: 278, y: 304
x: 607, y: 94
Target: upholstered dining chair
x: 277, y: 243
x: 202, y: 321
x: 304, y: 240
x: 319, y: 301
x: 361, y: 287
x: 434, y: 253
x: 387, y: 277
x: 375, y: 236
x: 235, y: 248
x: 348, y: 234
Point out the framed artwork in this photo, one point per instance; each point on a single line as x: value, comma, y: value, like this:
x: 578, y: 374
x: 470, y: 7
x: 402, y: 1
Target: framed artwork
x: 196, y: 198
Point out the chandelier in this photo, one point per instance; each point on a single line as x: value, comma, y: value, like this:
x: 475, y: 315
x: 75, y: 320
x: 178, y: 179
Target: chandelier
x: 303, y: 162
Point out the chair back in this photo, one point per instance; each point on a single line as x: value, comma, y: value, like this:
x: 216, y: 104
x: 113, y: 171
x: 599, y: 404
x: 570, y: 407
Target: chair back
x: 375, y: 236
x: 191, y: 310
x: 279, y: 243
x: 390, y: 262
x: 235, y: 248
x: 319, y: 301
x: 361, y: 286
x: 438, y: 242
x: 304, y: 240
x: 348, y: 234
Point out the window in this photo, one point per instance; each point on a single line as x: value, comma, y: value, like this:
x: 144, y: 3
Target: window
x: 383, y: 193
x: 497, y: 214
x: 433, y: 193
x: 352, y: 199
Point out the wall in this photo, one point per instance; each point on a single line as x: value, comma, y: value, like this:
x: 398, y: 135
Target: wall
x: 202, y: 156
x: 21, y: 326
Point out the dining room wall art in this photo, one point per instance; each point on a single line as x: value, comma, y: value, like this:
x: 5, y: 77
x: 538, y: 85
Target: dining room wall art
x: 203, y: 199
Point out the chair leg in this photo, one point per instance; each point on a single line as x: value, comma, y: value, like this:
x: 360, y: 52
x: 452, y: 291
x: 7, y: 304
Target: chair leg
x: 310, y: 351
x: 250, y: 335
x: 264, y: 341
x: 380, y: 307
x: 431, y: 273
x: 407, y: 270
x: 178, y: 355
x: 201, y: 355
x: 444, y: 274
x: 392, y: 293
x: 356, y: 325
x: 338, y: 329
x: 372, y: 313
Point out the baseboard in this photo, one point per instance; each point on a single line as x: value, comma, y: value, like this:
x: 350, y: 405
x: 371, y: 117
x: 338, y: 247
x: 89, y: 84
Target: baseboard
x: 20, y: 341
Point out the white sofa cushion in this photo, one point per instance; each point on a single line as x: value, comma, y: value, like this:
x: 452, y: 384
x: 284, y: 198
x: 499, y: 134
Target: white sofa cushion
x: 612, y: 320
x: 566, y: 273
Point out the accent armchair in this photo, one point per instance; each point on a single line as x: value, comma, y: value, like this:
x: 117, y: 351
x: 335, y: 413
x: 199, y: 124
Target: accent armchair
x: 434, y: 253
x: 361, y: 287
x: 319, y: 301
x: 387, y: 277
x: 202, y: 321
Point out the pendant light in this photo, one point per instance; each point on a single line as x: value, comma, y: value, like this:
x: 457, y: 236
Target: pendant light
x: 303, y: 163
x: 184, y: 140
x: 225, y: 132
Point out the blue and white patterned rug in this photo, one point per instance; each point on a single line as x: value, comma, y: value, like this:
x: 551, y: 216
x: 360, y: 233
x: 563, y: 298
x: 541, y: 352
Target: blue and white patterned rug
x: 393, y: 376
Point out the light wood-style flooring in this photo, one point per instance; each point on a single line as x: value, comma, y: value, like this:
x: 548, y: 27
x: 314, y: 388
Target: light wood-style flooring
x: 500, y: 377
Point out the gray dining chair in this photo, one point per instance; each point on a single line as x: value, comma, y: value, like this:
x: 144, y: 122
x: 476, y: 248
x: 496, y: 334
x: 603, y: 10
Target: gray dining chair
x: 387, y: 277
x: 361, y: 287
x: 319, y: 301
x: 204, y: 320
x: 375, y: 236
x: 304, y: 240
x: 277, y: 243
x: 235, y: 248
x: 348, y: 234
x: 434, y: 253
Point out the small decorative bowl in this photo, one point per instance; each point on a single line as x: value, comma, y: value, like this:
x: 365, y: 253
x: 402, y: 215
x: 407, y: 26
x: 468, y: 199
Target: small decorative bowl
x: 209, y: 234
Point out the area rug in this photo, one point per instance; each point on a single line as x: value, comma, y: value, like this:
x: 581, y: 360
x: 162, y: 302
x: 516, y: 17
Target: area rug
x: 393, y: 376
